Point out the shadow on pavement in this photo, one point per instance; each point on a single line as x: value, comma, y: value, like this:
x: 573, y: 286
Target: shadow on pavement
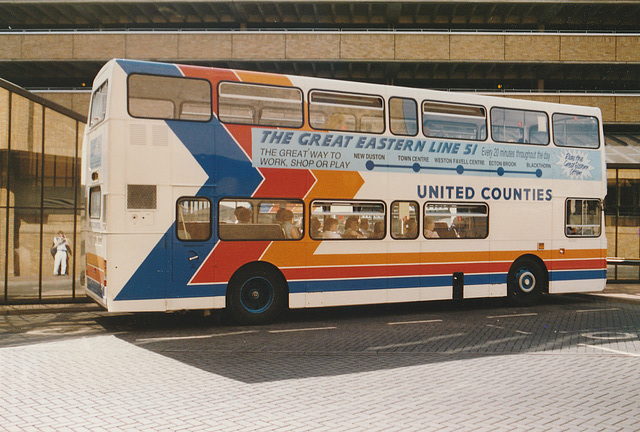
x: 350, y: 340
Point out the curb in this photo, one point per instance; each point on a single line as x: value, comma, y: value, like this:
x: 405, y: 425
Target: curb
x: 629, y: 298
x: 49, y: 308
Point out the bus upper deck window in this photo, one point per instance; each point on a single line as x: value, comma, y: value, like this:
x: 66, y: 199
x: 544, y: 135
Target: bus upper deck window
x: 259, y: 104
x: 453, y: 120
x: 98, y: 105
x: 403, y: 116
x: 519, y: 126
x: 347, y: 112
x: 169, y: 98
x: 575, y: 131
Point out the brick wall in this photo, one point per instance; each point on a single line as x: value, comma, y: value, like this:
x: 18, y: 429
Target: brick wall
x: 543, y: 47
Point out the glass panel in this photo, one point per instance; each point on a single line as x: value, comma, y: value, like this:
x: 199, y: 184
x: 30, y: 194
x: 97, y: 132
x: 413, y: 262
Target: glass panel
x: 60, y: 161
x: 3, y: 250
x: 260, y: 219
x: 98, y: 105
x: 446, y: 120
x: 57, y: 268
x: 456, y: 221
x: 403, y: 116
x: 260, y: 104
x: 623, y: 272
x: 160, y: 109
x: 165, y: 97
x: 519, y: 126
x: 4, y: 118
x: 629, y: 192
x: 95, y: 203
x: 611, y: 212
x: 24, y: 254
x: 404, y: 220
x: 79, y: 256
x: 626, y: 207
x: 611, y: 200
x: 346, y: 112
x: 583, y: 218
x: 26, y: 248
x: 79, y: 189
x: 576, y: 131
x: 628, y: 238
x: 193, y: 219
x: 348, y: 220
x: 610, y: 232
x: 25, y: 158
x: 4, y: 144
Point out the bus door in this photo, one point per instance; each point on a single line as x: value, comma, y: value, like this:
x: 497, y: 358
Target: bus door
x: 192, y: 239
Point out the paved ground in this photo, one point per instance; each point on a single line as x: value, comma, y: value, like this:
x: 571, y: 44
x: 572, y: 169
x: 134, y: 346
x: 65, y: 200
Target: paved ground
x: 568, y: 364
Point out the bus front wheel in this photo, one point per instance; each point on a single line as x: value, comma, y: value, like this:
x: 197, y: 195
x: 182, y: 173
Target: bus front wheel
x: 256, y: 295
x: 526, y: 281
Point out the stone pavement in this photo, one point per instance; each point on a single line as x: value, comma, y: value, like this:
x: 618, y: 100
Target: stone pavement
x: 568, y: 364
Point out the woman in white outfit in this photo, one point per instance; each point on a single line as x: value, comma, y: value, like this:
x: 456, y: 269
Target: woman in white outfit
x: 60, y: 265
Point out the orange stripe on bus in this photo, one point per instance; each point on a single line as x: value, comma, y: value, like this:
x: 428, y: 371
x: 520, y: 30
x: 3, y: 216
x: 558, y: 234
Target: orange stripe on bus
x: 264, y: 78
x: 97, y: 261
x: 303, y: 253
x: 336, y: 184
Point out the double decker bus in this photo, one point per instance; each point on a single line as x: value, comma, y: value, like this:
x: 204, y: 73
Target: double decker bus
x: 212, y: 188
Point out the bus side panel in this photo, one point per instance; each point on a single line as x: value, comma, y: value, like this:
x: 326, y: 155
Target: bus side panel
x: 198, y: 168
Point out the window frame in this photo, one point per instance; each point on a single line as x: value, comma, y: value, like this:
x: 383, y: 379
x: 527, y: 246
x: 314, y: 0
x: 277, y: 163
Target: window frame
x: 178, y: 212
x: 91, y: 203
x: 256, y: 203
x: 395, y: 236
x: 257, y: 123
x: 457, y: 204
x: 553, y: 124
x: 103, y: 92
x: 338, y: 93
x: 582, y: 224
x: 170, y: 77
x: 348, y: 202
x: 434, y: 101
x: 493, y: 138
x: 403, y: 117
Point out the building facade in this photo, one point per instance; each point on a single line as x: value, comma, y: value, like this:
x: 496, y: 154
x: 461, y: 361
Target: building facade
x: 576, y: 52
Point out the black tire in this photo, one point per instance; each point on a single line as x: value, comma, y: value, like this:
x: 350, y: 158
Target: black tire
x: 256, y: 295
x: 526, y: 281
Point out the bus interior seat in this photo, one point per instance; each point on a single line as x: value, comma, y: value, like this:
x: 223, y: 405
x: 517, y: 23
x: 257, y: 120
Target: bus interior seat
x: 443, y: 230
x: 251, y: 232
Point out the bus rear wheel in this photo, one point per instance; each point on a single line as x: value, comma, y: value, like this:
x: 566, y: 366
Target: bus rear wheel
x: 526, y: 281
x: 256, y: 295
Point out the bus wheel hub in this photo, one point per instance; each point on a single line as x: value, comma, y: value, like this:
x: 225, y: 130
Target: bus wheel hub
x: 526, y: 281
